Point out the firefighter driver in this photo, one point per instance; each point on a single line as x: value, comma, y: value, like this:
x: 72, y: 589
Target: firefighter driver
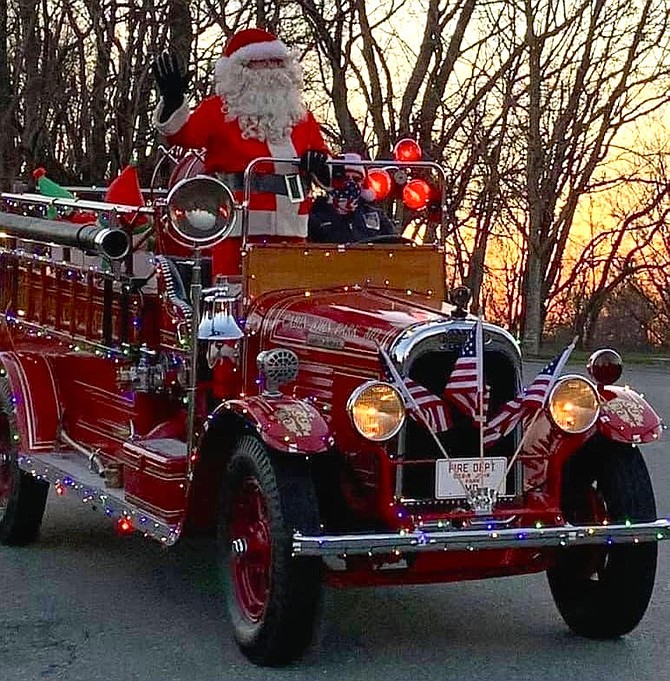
x: 345, y: 214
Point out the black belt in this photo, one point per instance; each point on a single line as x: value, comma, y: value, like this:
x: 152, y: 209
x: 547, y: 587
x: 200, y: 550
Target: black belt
x: 292, y: 186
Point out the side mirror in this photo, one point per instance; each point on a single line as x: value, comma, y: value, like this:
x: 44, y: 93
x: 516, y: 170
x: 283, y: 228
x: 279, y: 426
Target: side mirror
x: 201, y: 210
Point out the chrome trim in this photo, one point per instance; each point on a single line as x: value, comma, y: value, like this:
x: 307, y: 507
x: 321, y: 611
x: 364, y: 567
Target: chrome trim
x: 405, y: 344
x: 356, y: 394
x: 475, y: 540
x: 431, y: 165
x: 82, y: 204
x: 418, y: 333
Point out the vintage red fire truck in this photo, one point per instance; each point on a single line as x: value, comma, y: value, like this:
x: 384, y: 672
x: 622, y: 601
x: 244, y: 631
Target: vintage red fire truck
x: 271, y: 408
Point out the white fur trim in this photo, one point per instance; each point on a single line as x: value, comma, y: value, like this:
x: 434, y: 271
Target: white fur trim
x: 266, y: 50
x: 173, y: 124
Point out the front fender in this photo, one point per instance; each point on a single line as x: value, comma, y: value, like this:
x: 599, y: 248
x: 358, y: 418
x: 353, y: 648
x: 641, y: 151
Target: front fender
x: 32, y: 399
x: 285, y: 424
x: 625, y: 416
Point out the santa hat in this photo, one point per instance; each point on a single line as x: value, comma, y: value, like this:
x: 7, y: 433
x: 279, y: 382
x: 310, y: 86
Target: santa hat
x: 252, y: 44
x: 125, y: 188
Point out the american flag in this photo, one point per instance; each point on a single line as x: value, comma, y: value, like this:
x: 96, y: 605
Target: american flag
x: 532, y: 399
x: 422, y: 405
x: 434, y: 410
x: 465, y: 387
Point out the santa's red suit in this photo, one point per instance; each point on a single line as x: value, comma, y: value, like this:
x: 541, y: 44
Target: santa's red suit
x: 229, y: 149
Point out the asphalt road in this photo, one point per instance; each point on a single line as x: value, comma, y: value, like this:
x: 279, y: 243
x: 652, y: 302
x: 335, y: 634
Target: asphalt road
x: 86, y: 605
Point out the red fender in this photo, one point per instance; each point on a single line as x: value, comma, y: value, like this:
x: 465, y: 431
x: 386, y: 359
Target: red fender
x: 626, y: 416
x: 30, y: 382
x: 285, y: 424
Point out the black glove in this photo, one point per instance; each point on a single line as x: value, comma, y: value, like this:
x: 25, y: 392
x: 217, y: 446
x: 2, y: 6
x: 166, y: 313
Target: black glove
x: 314, y: 163
x: 172, y: 82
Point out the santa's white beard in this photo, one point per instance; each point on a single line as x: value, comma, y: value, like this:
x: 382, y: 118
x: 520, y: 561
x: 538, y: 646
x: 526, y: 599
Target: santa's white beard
x: 265, y: 101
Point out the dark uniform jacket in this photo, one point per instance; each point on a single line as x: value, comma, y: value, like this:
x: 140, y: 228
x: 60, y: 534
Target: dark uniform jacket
x: 326, y: 225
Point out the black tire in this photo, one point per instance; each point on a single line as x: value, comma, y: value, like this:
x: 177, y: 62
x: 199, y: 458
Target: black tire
x: 272, y: 598
x: 22, y: 500
x: 603, y: 592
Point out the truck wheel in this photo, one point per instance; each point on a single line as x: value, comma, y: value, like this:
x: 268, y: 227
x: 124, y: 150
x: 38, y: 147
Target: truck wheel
x: 22, y: 500
x: 603, y: 592
x: 272, y: 597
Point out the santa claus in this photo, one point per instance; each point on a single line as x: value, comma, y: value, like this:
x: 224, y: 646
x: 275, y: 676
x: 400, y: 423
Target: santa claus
x: 257, y: 111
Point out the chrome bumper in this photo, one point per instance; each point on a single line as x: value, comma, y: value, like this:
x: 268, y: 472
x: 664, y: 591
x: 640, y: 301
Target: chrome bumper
x: 476, y: 540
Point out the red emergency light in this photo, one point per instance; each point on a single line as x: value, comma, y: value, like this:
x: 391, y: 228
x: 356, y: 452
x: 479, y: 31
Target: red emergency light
x: 416, y: 194
x: 380, y: 182
x: 407, y: 150
x: 124, y: 526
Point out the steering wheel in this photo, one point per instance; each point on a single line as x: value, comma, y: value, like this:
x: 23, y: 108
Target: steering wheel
x: 386, y: 239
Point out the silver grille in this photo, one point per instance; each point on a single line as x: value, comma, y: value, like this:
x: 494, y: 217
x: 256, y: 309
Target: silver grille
x: 426, y: 353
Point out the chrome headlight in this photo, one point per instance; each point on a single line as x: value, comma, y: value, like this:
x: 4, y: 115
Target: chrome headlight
x: 573, y: 404
x: 376, y: 410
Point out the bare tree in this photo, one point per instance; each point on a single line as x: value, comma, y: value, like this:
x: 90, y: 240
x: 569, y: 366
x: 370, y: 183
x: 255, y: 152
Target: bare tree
x: 584, y: 83
x: 521, y: 101
x: 6, y: 118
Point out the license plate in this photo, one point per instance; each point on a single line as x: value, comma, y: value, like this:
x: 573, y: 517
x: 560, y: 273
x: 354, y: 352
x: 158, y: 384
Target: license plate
x: 479, y: 472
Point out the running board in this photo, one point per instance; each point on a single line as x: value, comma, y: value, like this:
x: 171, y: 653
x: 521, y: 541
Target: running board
x: 68, y: 476
x: 476, y: 540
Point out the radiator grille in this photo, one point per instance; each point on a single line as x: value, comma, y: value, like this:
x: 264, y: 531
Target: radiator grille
x: 430, y: 363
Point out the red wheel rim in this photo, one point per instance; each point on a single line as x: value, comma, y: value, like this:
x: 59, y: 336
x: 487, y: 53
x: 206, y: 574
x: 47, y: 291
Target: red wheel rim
x: 251, y: 549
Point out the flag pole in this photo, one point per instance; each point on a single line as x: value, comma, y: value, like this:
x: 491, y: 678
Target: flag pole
x: 413, y: 405
x: 559, y: 367
x: 409, y: 398
x: 479, y: 349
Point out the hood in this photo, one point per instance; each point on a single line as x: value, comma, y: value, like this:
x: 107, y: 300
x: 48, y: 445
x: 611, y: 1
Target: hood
x: 351, y: 321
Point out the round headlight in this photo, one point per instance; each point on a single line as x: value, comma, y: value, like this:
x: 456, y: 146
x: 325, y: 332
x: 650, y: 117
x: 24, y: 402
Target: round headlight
x: 377, y: 410
x: 573, y: 404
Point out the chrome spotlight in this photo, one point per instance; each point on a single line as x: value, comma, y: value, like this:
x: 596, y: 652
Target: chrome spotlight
x: 202, y: 211
x: 460, y: 298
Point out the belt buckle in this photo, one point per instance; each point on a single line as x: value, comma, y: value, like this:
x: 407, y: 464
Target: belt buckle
x: 294, y: 189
